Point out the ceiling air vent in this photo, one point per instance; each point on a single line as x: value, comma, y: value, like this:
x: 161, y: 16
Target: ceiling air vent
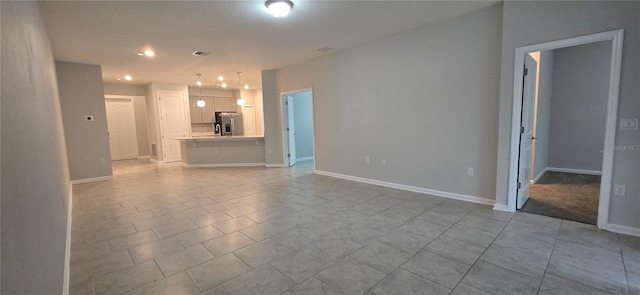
x: 324, y: 49
x: 200, y: 53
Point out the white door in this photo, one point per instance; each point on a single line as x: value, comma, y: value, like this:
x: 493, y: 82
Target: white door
x: 291, y: 131
x: 526, y: 130
x: 172, y: 124
x: 249, y: 118
x: 121, y: 122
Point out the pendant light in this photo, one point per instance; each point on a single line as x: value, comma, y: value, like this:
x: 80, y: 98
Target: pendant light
x: 200, y: 103
x: 240, y: 101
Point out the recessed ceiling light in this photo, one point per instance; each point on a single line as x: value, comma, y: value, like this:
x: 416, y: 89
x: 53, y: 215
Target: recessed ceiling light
x: 279, y: 8
x: 118, y: 79
x: 224, y: 85
x: 149, y: 53
x: 140, y: 54
x: 128, y: 77
x: 246, y: 86
x: 220, y: 78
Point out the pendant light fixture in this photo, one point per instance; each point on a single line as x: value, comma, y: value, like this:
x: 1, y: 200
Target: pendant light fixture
x: 240, y: 101
x: 200, y: 103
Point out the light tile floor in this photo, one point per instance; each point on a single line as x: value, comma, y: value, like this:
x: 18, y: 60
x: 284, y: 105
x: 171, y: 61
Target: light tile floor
x: 164, y: 229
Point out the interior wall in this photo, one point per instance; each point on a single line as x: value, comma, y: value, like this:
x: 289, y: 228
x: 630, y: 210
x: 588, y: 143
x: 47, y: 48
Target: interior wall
x: 526, y: 23
x: 34, y: 180
x: 579, y: 106
x: 303, y: 120
x: 82, y: 94
x: 437, y: 121
x: 140, y: 109
x: 545, y: 84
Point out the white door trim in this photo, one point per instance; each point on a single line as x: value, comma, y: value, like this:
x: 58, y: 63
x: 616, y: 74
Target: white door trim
x: 616, y: 38
x: 283, y: 118
x: 133, y: 109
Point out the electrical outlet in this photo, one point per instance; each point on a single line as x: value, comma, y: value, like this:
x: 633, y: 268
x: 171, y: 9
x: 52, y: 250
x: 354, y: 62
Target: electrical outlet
x: 619, y: 189
x: 470, y: 171
x: 629, y: 124
x: 601, y: 154
x: 366, y: 160
x: 384, y: 162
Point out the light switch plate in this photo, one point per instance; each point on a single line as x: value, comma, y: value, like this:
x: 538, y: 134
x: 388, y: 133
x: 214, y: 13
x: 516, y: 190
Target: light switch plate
x: 629, y: 124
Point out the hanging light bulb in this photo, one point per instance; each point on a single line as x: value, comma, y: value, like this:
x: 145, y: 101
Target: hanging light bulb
x: 200, y: 103
x: 240, y: 101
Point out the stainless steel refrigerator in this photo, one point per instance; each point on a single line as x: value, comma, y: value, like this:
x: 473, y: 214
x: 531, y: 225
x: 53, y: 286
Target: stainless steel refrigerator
x: 231, y: 124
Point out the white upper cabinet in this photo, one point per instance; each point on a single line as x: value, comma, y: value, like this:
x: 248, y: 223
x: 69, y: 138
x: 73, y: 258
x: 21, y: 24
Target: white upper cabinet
x: 225, y: 104
x: 205, y: 114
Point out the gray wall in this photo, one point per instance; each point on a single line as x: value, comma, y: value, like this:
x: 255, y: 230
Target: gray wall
x: 435, y: 120
x: 529, y: 22
x: 35, y: 177
x: 303, y: 120
x: 82, y: 94
x: 545, y: 84
x: 140, y: 108
x: 579, y: 106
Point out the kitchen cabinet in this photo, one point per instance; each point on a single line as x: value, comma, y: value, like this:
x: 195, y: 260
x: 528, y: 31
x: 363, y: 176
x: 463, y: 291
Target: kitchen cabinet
x: 205, y: 114
x: 225, y: 104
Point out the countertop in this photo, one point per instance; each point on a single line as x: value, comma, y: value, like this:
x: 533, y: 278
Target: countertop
x: 220, y: 138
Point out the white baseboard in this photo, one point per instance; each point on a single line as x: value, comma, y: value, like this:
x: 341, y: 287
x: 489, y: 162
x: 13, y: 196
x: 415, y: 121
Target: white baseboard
x: 623, y: 229
x: 223, y: 165
x: 537, y: 178
x: 501, y: 207
x: 304, y: 159
x: 101, y: 178
x: 155, y: 160
x: 144, y: 157
x: 275, y: 165
x: 67, y: 251
x: 574, y: 171
x: 416, y: 189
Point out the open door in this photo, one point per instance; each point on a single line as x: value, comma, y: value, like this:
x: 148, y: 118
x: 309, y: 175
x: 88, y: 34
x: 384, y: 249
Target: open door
x: 526, y: 130
x: 291, y: 131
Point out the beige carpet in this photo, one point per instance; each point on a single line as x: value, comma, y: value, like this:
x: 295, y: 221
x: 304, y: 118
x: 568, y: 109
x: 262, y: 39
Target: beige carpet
x: 565, y: 195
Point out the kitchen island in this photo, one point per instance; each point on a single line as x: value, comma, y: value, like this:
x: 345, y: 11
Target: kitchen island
x: 222, y: 151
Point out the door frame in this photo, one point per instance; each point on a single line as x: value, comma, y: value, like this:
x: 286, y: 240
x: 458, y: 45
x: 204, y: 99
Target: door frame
x: 283, y: 119
x: 133, y: 107
x: 616, y: 38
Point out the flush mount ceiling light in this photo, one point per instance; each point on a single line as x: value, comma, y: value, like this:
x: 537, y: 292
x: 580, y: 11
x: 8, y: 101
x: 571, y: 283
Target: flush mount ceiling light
x: 128, y: 77
x: 200, y: 103
x: 224, y: 85
x: 279, y: 8
x: 240, y: 101
x: 220, y: 78
x: 246, y: 86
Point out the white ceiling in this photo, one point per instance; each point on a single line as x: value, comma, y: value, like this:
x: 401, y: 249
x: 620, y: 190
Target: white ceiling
x: 240, y: 35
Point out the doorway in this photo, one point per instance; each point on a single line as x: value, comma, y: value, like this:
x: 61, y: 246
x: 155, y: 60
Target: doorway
x: 298, y: 133
x: 569, y: 115
x: 521, y: 108
x: 121, y: 123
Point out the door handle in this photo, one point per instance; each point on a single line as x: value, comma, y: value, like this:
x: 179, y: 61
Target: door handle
x: 533, y: 137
